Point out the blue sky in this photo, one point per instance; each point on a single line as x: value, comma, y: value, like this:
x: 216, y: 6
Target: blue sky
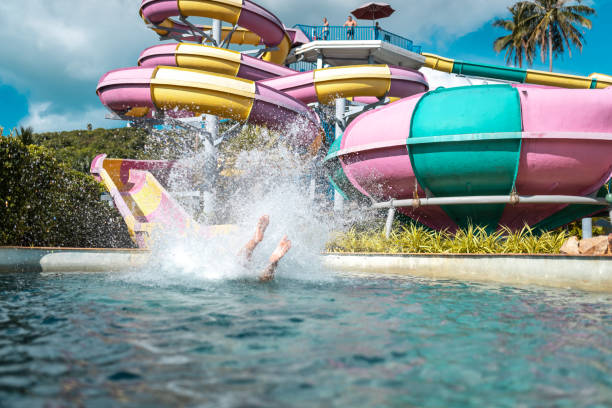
x: 54, y: 52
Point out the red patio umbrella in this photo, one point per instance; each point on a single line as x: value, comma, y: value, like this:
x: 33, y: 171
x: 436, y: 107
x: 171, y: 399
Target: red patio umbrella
x: 373, y: 11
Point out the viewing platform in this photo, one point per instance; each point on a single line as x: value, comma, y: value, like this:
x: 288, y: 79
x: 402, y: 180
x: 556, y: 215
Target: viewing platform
x: 361, y: 33
x: 370, y: 45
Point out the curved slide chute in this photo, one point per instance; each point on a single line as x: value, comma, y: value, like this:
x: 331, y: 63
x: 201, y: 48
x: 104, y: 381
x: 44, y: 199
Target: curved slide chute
x: 511, y: 74
x: 243, y: 13
x: 211, y: 59
x: 327, y: 84
x: 320, y: 85
x: 145, y: 205
x: 479, y: 141
x: 137, y: 92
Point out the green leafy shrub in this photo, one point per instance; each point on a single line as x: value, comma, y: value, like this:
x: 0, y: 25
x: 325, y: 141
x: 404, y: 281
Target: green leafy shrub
x: 472, y: 240
x: 43, y: 202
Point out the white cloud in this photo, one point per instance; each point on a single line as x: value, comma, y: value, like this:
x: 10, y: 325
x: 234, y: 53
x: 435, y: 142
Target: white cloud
x: 71, y: 39
x: 425, y: 22
x: 56, y: 50
x: 42, y: 120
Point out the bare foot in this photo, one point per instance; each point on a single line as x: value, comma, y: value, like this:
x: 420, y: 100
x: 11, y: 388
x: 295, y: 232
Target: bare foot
x: 282, y: 248
x: 262, y: 224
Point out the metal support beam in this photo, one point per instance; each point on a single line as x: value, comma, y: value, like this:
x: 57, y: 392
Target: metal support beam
x: 319, y: 61
x: 587, y: 228
x: 210, y: 150
x: 510, y: 199
x: 389, y: 223
x: 340, y: 109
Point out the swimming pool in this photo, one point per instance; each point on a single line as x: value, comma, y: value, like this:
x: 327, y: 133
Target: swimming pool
x: 340, y: 340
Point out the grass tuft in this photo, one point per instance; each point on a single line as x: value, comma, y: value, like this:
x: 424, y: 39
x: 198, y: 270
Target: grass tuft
x: 472, y: 240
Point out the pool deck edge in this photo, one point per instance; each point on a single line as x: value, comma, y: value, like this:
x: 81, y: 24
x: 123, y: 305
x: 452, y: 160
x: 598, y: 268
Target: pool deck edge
x: 588, y: 273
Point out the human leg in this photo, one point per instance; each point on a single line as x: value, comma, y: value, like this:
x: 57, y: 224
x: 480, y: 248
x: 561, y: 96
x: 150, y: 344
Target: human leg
x: 281, y: 249
x: 247, y: 250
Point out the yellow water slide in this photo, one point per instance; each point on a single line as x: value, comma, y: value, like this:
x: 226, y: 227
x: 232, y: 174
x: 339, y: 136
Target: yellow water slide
x: 511, y: 74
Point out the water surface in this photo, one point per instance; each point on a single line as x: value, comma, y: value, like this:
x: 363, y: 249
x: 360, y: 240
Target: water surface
x: 107, y: 340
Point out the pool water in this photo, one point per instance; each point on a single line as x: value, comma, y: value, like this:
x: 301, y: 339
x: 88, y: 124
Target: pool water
x: 348, y: 341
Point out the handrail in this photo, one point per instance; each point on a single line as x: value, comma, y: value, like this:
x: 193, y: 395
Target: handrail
x: 341, y: 33
x: 509, y: 199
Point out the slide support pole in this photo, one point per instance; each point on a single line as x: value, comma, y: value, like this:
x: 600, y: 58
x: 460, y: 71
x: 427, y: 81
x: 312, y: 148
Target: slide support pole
x: 340, y: 110
x: 210, y: 151
x: 587, y: 228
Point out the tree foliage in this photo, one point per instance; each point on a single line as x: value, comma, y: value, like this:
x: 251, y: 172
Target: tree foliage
x: 43, y: 202
x: 551, y: 27
x: 518, y: 49
x: 77, y: 148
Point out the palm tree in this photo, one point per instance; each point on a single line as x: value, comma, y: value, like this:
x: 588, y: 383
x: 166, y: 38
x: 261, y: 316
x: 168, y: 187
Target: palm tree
x: 516, y: 43
x: 554, y: 26
x: 26, y: 135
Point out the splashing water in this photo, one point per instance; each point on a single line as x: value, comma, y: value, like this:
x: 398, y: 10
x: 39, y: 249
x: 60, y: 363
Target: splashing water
x: 268, y: 179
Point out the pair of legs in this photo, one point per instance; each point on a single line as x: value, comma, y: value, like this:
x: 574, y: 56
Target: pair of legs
x: 281, y: 249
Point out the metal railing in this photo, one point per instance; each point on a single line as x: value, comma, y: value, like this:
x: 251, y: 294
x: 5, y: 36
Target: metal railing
x: 359, y: 33
x: 303, y: 66
x: 473, y: 200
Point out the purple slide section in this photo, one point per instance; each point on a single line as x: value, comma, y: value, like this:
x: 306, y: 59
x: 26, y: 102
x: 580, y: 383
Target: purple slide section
x: 405, y: 82
x: 169, y: 212
x: 157, y: 11
x: 252, y: 17
x: 285, y: 114
x: 122, y: 89
x: 300, y: 85
x: 250, y: 68
x: 260, y: 21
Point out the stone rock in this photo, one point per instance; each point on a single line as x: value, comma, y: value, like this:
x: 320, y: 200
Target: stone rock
x: 570, y: 247
x: 594, y: 246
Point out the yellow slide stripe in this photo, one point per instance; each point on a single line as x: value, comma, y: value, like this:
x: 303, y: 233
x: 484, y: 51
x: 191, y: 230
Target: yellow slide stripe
x: 439, y: 63
x: 149, y: 197
x: 560, y: 80
x: 357, y: 80
x: 200, y: 93
x: 603, y: 81
x: 216, y: 60
x: 225, y: 10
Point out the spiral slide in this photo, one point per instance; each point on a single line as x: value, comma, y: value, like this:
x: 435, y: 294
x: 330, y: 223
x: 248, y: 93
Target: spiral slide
x: 193, y: 79
x: 320, y: 85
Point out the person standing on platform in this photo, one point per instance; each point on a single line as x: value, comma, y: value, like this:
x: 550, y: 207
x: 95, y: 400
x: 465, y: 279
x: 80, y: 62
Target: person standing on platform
x: 325, y: 28
x: 376, y: 31
x: 350, y: 25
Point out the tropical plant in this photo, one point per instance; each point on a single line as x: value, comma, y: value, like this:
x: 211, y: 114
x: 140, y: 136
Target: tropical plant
x: 416, y: 239
x: 518, y: 49
x: 552, y: 26
x: 43, y: 202
x: 26, y: 135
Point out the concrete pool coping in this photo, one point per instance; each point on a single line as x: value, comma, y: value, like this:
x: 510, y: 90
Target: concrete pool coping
x: 589, y: 273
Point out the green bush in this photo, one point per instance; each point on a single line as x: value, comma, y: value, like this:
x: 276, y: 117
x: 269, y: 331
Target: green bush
x: 472, y: 240
x: 43, y: 202
x: 77, y: 148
